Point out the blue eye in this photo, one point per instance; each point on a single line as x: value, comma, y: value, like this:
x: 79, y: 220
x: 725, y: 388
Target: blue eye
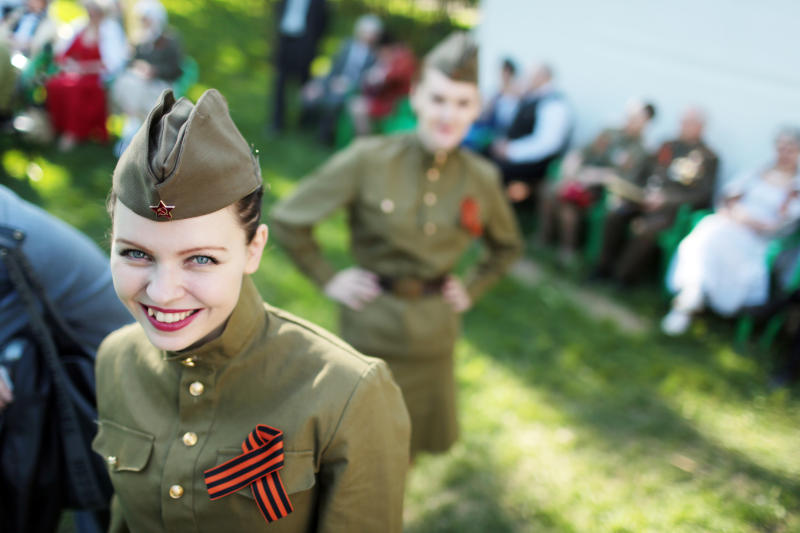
x: 203, y: 260
x: 132, y: 253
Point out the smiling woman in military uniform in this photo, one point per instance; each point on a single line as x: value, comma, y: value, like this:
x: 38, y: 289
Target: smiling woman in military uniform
x: 217, y: 411
x: 415, y: 203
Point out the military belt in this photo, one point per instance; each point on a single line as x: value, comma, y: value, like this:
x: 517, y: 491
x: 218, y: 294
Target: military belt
x: 411, y: 288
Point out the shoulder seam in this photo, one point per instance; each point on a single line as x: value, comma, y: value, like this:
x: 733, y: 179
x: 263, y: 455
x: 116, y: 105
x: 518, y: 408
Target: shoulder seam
x: 315, y: 330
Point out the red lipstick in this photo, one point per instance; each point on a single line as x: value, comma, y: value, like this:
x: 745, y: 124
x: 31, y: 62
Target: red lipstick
x: 169, y: 326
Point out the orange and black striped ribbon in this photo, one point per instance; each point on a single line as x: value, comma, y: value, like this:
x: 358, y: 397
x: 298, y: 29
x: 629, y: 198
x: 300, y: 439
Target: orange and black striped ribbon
x: 258, y: 467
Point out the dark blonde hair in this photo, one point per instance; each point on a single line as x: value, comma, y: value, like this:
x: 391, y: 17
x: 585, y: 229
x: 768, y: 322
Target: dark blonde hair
x: 248, y: 210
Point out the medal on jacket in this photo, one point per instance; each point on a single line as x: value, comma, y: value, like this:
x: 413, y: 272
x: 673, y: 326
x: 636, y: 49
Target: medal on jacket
x: 258, y: 467
x: 470, y: 216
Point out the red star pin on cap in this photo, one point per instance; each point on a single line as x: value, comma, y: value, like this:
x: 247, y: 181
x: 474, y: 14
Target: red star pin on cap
x: 162, y: 209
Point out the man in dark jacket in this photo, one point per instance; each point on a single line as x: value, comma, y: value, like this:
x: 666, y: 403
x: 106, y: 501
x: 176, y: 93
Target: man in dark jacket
x: 538, y: 134
x: 325, y: 96
x: 301, y: 24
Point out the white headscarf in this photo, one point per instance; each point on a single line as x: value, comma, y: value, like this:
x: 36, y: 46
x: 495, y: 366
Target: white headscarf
x: 155, y: 12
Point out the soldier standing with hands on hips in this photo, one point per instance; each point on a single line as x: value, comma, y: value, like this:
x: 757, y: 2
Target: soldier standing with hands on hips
x: 415, y: 202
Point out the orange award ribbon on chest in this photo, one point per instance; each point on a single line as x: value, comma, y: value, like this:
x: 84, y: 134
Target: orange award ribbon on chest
x: 258, y: 467
x: 471, y: 216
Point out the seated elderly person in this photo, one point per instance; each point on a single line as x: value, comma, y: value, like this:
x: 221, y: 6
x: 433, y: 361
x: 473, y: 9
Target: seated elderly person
x: 155, y: 65
x: 26, y: 31
x: 498, y: 111
x: 614, y: 161
x: 684, y: 173
x: 538, y: 134
x: 722, y: 262
x: 76, y: 96
x: 325, y: 96
x: 29, y: 28
x: 385, y: 84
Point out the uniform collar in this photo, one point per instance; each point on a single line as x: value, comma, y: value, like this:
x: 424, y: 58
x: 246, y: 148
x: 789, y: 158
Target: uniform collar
x: 247, y: 318
x: 430, y: 159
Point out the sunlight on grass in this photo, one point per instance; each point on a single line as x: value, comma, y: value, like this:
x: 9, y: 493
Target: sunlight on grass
x: 465, y: 17
x: 45, y: 177
x: 66, y: 10
x: 231, y: 59
x: 524, y: 465
x: 749, y: 428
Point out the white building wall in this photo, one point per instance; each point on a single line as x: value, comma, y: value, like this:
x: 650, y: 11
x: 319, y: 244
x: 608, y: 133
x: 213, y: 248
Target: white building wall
x: 738, y: 59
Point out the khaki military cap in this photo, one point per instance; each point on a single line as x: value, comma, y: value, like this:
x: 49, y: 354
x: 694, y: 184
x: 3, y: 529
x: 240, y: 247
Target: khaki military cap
x: 456, y: 57
x: 186, y: 161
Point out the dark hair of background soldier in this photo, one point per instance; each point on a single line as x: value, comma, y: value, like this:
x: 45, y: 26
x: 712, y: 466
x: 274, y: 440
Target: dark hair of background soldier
x: 248, y: 210
x: 509, y: 66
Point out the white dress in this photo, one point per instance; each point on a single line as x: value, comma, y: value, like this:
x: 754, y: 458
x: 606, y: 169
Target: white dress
x: 723, y: 262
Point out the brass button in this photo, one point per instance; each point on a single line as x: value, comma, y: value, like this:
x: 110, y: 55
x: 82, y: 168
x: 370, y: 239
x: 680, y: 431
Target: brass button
x: 429, y: 228
x: 189, y: 361
x: 175, y: 492
x: 190, y: 438
x: 433, y: 174
x: 196, y: 388
x: 387, y: 205
x: 429, y: 198
x: 111, y: 461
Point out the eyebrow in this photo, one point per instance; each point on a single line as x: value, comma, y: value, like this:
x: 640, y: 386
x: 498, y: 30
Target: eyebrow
x: 182, y: 252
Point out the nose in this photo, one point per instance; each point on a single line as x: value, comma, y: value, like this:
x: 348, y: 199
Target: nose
x: 165, y: 285
x: 447, y: 112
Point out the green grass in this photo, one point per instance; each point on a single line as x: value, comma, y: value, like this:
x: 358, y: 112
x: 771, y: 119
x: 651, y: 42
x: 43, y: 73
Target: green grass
x: 568, y: 424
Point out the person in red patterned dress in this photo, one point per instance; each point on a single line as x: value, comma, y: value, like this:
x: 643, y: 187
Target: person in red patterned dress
x: 76, y: 96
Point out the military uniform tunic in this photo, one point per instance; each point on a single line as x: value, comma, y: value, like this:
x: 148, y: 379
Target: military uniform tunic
x: 684, y: 173
x: 406, y: 213
x: 615, y: 149
x: 166, y: 417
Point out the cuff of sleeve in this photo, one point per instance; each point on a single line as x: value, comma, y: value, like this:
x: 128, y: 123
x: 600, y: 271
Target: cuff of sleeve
x: 322, y: 274
x: 475, y: 290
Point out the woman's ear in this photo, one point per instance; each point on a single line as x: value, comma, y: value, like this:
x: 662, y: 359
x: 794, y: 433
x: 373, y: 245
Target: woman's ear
x: 255, y: 248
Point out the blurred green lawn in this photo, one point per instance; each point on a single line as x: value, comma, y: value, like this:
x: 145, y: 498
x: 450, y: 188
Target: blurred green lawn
x: 568, y: 423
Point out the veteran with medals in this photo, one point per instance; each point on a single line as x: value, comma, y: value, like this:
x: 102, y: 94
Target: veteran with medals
x: 684, y: 173
x: 218, y: 412
x: 415, y: 203
x: 610, y: 169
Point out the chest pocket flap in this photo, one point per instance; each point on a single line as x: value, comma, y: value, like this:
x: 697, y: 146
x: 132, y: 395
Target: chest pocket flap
x: 123, y: 448
x: 297, y: 473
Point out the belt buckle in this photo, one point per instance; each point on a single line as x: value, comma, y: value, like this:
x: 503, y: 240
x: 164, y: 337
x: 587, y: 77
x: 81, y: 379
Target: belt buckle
x: 408, y: 288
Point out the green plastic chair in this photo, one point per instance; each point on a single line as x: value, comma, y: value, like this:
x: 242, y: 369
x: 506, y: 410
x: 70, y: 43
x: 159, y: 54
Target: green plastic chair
x: 595, y: 227
x: 746, y: 323
x: 401, y: 119
x: 189, y: 74
x: 669, y: 239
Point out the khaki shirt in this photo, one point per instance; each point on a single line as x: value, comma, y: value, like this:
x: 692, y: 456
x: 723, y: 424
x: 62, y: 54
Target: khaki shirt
x: 166, y: 417
x: 614, y: 149
x: 405, y: 211
x: 685, y: 173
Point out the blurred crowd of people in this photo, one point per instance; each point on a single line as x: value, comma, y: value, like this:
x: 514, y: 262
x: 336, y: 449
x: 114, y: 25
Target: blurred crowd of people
x: 369, y: 79
x: 611, y: 200
x: 118, y: 57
